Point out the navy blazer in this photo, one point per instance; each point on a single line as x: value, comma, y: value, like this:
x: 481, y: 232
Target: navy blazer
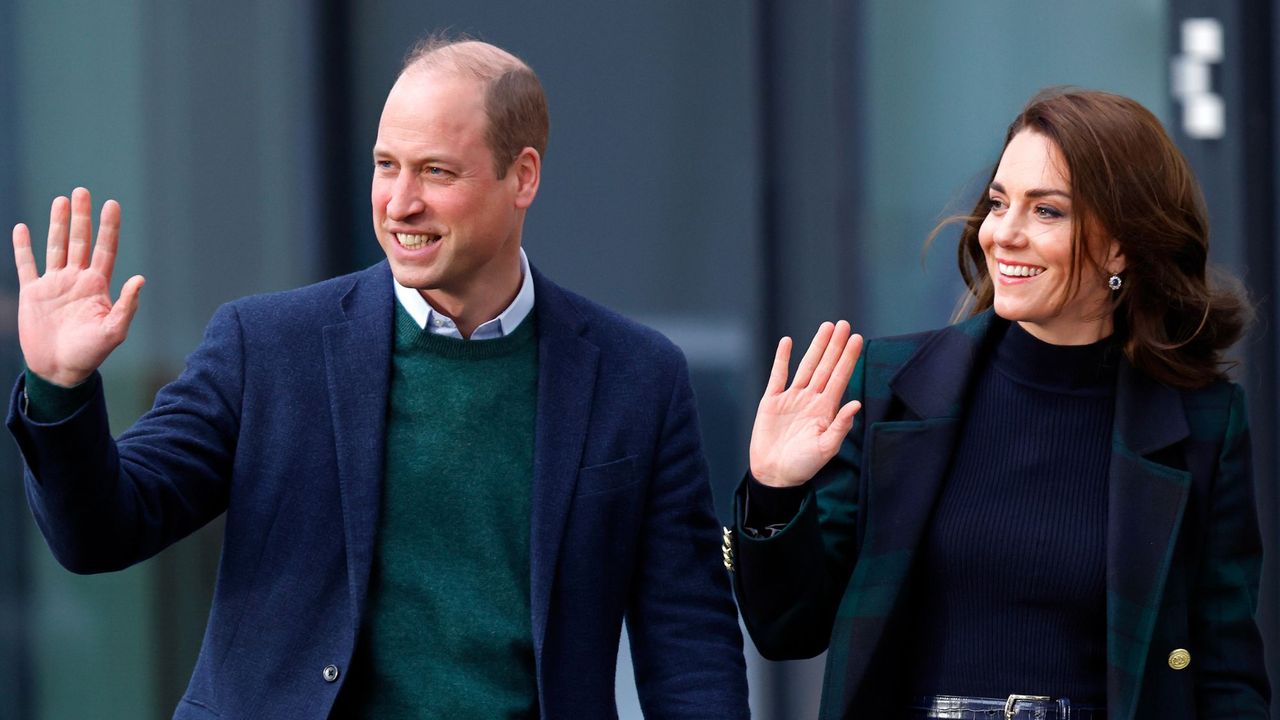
x: 1183, y: 548
x: 279, y: 420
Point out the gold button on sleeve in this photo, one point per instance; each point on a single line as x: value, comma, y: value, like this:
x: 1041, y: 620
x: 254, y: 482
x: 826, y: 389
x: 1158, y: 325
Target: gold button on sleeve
x: 1179, y: 659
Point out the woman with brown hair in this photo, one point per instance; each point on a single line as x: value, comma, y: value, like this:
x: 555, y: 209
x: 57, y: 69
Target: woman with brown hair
x: 1045, y: 510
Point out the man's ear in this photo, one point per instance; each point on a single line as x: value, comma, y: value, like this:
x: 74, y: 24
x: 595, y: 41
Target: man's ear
x: 527, y: 172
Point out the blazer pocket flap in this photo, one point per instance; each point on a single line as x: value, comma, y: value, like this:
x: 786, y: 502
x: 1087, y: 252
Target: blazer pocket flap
x: 606, y: 477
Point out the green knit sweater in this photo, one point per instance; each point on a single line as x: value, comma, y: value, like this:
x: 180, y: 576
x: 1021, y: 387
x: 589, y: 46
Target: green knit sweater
x: 447, y: 630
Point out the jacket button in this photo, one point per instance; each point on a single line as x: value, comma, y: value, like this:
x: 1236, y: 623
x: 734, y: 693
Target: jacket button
x: 1179, y: 659
x: 330, y: 673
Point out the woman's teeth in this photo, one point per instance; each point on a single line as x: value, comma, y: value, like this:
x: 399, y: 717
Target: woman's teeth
x: 1020, y: 270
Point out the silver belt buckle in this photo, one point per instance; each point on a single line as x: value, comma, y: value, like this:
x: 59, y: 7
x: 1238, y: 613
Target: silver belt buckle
x: 1008, y: 704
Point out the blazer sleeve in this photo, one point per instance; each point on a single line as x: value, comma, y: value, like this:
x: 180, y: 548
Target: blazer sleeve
x: 686, y: 646
x: 105, y: 504
x: 790, y: 583
x: 1231, y: 680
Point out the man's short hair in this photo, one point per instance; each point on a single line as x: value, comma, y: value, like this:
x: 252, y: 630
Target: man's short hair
x: 514, y: 101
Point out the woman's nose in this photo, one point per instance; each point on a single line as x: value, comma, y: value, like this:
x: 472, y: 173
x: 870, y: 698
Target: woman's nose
x: 1009, y: 230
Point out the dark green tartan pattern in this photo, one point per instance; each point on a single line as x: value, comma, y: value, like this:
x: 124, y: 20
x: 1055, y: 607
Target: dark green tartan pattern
x: 1183, y: 547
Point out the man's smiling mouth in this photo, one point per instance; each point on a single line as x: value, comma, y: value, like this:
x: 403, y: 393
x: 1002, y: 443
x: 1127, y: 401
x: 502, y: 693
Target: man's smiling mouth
x: 413, y: 242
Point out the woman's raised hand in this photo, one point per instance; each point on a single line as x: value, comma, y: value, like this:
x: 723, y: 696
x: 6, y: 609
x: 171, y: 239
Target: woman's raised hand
x: 67, y: 323
x: 799, y: 428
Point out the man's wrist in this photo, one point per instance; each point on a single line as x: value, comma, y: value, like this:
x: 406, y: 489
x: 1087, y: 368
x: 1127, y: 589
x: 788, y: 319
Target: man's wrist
x: 60, y: 379
x: 48, y: 401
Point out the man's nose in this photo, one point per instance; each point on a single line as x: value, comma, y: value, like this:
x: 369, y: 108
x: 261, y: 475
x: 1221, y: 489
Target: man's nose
x: 405, y: 200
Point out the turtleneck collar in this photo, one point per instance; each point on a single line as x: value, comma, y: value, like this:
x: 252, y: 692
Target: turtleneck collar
x: 1076, y: 369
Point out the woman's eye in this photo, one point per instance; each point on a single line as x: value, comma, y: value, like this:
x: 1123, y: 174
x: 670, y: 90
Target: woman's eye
x: 994, y: 204
x: 1047, y: 212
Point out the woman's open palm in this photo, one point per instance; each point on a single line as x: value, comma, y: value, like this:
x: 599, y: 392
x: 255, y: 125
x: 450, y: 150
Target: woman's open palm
x: 798, y: 429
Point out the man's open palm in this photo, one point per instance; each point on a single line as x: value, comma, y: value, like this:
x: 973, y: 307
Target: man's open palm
x: 67, y: 323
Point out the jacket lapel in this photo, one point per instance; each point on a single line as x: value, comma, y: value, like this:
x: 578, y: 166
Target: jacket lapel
x: 905, y: 462
x: 1145, y: 507
x: 357, y: 354
x: 567, y: 365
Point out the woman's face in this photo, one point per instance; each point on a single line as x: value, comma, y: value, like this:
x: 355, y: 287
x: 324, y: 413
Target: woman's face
x: 1026, y: 237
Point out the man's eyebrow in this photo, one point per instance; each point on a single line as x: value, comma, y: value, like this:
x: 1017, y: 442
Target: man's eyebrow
x: 379, y: 152
x: 1033, y: 192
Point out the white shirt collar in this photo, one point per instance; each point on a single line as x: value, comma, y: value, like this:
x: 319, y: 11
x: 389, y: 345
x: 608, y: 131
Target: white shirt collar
x: 440, y: 324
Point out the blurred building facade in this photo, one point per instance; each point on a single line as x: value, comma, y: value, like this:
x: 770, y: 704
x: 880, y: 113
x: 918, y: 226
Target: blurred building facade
x: 725, y: 171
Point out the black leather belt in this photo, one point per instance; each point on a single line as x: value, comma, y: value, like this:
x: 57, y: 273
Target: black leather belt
x: 1013, y: 707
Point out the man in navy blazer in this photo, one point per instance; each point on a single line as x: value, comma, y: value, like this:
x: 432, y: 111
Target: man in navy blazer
x: 281, y: 419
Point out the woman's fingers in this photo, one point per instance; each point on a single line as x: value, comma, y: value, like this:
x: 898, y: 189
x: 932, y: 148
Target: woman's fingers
x: 813, y: 355
x: 781, y: 365
x: 830, y: 356
x: 844, y: 367
x: 843, y: 421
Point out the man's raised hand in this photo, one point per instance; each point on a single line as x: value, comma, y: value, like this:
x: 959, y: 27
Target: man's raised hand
x: 67, y: 323
x: 799, y: 428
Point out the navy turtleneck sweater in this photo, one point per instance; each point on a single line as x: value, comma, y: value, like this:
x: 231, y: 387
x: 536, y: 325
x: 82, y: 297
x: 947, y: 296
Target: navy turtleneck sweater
x: 1010, y: 591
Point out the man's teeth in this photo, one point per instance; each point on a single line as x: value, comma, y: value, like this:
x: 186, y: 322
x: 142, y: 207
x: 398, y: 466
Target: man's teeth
x: 1020, y: 270
x: 413, y: 242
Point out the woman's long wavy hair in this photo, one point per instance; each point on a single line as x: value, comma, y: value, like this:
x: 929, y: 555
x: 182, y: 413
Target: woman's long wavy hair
x: 1131, y: 182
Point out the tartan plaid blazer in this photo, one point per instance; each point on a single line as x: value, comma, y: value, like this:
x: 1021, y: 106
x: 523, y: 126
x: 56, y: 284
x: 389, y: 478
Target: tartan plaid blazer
x: 1183, y: 547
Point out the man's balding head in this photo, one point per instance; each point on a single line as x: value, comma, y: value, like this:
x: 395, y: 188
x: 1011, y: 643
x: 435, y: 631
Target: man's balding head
x: 514, y: 101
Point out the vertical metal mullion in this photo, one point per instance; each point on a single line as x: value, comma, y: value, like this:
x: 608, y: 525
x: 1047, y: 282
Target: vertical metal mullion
x: 768, y: 70
x: 850, y: 90
x: 17, y: 682
x: 1259, y: 184
x: 333, y: 72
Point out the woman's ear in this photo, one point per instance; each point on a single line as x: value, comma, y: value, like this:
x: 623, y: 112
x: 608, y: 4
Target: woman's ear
x: 1115, y: 263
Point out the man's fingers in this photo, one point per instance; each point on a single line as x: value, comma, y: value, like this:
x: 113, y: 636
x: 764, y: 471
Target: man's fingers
x: 55, y: 251
x: 22, y: 255
x: 832, y: 353
x: 781, y: 365
x: 811, y: 356
x: 81, y: 228
x: 104, y: 252
x: 122, y: 312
